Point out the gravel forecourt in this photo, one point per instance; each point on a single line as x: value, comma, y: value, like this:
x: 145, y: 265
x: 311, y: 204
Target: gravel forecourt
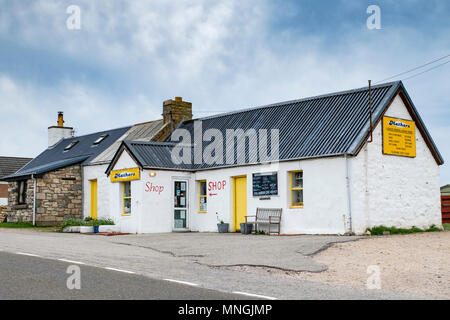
x: 415, y: 263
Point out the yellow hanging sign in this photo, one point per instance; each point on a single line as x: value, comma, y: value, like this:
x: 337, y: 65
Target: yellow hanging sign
x: 399, y: 137
x: 125, y: 174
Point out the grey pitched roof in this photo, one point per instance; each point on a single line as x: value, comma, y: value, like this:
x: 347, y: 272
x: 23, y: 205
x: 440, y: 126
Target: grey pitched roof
x: 327, y: 125
x: 445, y: 189
x: 154, y: 154
x: 56, y: 157
x: 9, y: 165
x: 139, y: 132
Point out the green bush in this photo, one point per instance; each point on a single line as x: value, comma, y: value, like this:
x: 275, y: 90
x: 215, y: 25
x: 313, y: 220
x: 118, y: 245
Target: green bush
x: 102, y: 222
x: 378, y: 230
x: 433, y: 228
x: 72, y: 222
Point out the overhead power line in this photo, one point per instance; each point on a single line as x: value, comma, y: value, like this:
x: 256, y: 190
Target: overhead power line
x: 418, y: 74
x: 417, y: 68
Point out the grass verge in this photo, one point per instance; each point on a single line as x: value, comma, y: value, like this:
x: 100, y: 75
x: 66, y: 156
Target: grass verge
x: 25, y: 225
x: 446, y: 226
x: 379, y: 230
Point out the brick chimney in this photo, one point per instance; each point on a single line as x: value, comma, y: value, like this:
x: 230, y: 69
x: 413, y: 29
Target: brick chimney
x: 58, y: 132
x: 174, y: 111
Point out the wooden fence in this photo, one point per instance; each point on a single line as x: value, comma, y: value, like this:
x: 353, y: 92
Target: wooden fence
x: 445, y: 208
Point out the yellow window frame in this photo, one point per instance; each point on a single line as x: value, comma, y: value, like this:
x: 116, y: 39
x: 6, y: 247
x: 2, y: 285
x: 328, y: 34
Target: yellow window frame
x: 200, y: 196
x: 124, y: 198
x: 294, y: 189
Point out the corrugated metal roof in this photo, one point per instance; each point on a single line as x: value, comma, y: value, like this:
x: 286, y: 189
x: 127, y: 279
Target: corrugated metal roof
x: 326, y: 125
x: 9, y: 165
x: 56, y: 157
x: 139, y: 132
x: 154, y: 154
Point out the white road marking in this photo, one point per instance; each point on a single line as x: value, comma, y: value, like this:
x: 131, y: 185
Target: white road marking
x: 120, y: 270
x: 27, y: 254
x: 254, y: 295
x: 71, y: 261
x: 182, y: 282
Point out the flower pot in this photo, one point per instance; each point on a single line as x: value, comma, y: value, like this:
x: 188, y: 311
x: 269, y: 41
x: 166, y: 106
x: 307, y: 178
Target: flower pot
x: 96, y: 229
x: 246, y: 228
x: 222, y: 227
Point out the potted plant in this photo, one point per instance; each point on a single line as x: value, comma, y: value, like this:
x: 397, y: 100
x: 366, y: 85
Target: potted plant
x: 95, y: 224
x: 221, y: 226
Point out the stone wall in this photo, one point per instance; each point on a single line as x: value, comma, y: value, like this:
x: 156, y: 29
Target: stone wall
x: 20, y: 212
x: 58, y: 195
x: 3, y: 213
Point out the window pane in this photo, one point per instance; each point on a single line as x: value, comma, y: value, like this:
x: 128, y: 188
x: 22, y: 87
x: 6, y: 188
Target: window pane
x: 203, y: 188
x: 127, y: 206
x: 22, y: 192
x: 180, y: 195
x: 297, y: 179
x: 203, y: 204
x: 297, y: 198
x: 179, y: 219
x: 127, y: 189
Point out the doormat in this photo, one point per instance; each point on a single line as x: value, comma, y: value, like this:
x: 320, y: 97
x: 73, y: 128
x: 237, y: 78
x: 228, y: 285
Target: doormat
x: 108, y: 234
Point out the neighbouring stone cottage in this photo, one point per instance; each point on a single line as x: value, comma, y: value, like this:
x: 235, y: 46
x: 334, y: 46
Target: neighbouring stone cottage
x: 67, y: 174
x: 8, y: 165
x: 58, y: 196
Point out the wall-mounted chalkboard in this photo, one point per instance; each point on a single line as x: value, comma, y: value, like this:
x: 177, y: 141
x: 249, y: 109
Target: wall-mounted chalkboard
x: 265, y: 184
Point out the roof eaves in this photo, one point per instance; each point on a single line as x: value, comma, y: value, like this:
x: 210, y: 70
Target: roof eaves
x: 45, y: 168
x: 441, y: 159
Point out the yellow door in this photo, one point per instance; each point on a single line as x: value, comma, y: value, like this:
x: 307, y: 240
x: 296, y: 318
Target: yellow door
x: 94, y: 199
x: 240, y: 201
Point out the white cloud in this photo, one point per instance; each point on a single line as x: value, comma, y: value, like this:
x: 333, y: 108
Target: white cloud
x: 221, y: 55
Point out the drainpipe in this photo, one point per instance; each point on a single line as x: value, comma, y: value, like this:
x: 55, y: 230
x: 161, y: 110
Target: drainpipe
x: 34, y: 199
x: 349, y: 199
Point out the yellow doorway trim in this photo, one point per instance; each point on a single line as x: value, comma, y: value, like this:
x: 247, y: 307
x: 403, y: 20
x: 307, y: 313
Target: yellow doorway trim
x: 94, y: 199
x: 239, y: 201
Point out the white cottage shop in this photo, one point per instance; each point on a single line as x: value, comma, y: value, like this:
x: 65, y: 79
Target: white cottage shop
x: 334, y: 173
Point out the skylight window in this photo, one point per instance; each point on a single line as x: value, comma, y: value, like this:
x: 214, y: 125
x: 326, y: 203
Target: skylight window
x: 71, y: 145
x: 100, y: 139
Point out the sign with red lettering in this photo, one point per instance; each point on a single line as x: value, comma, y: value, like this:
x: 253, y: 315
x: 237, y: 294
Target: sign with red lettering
x: 216, y: 186
x: 150, y: 187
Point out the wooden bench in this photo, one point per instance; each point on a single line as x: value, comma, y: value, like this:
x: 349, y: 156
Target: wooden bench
x: 266, y: 216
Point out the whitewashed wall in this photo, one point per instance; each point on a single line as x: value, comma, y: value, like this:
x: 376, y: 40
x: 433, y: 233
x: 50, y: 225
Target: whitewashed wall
x: 391, y: 190
x: 324, y: 197
x: 152, y: 209
x: 104, y: 191
x: 385, y: 190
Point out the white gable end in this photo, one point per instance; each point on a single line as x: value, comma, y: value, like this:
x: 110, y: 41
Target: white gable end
x: 125, y: 162
x: 393, y: 190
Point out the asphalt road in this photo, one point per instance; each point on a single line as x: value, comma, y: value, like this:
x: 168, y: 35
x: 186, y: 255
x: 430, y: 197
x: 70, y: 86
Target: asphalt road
x: 26, y: 277
x: 154, y: 258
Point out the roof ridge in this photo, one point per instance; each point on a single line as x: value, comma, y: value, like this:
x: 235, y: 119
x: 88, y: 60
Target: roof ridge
x: 151, y: 143
x: 146, y: 122
x: 278, y: 104
x: 97, y: 132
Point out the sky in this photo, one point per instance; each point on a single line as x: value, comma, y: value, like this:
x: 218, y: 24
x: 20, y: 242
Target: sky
x: 127, y: 57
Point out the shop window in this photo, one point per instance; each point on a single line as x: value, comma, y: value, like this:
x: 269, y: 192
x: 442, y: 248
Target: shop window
x: 296, y: 189
x: 22, y: 192
x: 126, y: 192
x: 202, y: 197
